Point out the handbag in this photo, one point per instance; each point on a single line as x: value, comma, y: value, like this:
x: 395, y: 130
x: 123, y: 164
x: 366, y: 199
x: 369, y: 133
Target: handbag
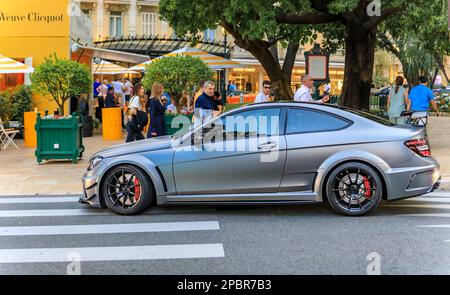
x: 139, y: 121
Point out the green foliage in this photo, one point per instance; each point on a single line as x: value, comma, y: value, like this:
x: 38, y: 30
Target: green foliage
x: 417, y: 38
x: 21, y: 101
x: 176, y: 73
x: 254, y: 20
x: 61, y: 79
x: 4, y: 108
x: 14, y: 102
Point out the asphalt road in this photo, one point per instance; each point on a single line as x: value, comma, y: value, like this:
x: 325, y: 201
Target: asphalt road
x: 49, y: 235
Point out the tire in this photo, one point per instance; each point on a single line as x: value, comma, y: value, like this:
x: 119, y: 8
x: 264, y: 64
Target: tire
x: 127, y: 190
x: 354, y: 189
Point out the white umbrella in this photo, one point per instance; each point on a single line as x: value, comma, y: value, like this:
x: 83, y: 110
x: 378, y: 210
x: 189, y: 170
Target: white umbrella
x: 108, y: 68
x: 10, y: 66
x: 214, y: 62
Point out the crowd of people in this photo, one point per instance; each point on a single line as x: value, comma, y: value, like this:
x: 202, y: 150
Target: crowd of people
x: 417, y: 99
x: 141, y: 109
x: 139, y: 106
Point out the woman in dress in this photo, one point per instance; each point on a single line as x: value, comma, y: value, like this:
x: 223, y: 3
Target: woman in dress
x: 397, y: 101
x: 156, y: 109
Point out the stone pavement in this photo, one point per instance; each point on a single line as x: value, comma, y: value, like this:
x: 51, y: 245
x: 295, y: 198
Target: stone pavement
x: 21, y: 175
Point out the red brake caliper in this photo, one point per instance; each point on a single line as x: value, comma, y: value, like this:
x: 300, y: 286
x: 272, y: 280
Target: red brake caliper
x: 137, y: 189
x: 366, y: 183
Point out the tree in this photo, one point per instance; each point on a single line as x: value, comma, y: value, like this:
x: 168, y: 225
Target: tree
x: 420, y: 48
x: 253, y: 26
x: 176, y: 74
x: 60, y: 79
x: 354, y: 26
x: 258, y: 25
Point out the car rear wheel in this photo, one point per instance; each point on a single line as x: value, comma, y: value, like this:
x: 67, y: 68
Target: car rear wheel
x: 354, y: 189
x: 127, y: 190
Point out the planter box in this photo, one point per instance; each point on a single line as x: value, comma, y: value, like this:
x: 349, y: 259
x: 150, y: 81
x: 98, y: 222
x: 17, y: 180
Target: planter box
x: 185, y: 127
x: 59, y: 138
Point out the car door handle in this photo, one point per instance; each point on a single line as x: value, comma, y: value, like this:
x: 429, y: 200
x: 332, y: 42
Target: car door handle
x: 267, y: 146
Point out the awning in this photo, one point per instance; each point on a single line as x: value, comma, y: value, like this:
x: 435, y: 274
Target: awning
x: 212, y: 61
x: 108, y: 68
x: 109, y: 54
x: 10, y: 66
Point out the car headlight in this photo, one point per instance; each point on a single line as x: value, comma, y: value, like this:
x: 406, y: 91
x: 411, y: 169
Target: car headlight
x: 93, y: 162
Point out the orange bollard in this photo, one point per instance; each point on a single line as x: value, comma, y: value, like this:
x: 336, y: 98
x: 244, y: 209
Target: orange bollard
x: 112, y: 123
x: 29, y: 131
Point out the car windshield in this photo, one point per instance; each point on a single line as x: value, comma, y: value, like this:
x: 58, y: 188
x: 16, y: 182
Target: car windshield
x: 369, y: 116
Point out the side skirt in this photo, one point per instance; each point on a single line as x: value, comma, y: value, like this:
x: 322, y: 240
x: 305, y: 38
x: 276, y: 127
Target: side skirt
x: 253, y: 198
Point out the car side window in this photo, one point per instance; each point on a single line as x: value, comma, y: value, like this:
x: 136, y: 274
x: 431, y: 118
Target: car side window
x: 248, y: 124
x: 305, y: 121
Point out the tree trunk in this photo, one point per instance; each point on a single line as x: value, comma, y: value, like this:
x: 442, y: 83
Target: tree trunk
x: 280, y: 80
x: 359, y: 63
x: 433, y: 81
x: 61, y: 109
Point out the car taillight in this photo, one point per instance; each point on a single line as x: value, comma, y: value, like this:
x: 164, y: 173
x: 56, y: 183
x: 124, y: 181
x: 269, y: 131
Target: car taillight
x: 419, y: 146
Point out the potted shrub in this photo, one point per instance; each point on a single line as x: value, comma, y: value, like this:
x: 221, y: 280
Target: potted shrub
x: 60, y: 79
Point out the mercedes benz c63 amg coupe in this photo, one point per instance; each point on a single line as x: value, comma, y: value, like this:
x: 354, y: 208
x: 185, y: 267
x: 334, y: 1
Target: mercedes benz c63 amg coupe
x: 268, y: 153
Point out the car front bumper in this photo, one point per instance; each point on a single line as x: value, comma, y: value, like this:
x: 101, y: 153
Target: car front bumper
x: 91, y: 189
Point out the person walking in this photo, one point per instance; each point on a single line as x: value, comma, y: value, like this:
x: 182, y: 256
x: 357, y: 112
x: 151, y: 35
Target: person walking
x: 110, y: 100
x: 102, y: 90
x: 421, y: 97
x: 264, y: 95
x: 303, y: 94
x: 199, y: 92
x: 397, y: 101
x: 204, y: 106
x: 156, y: 109
x: 127, y: 90
x: 136, y: 124
x: 118, y: 90
x: 96, y: 85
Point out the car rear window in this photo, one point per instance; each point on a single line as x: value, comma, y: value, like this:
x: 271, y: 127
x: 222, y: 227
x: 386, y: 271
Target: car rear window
x: 369, y: 116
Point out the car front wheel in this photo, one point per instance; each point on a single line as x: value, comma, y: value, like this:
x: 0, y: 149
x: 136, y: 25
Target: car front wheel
x: 127, y: 190
x: 354, y: 189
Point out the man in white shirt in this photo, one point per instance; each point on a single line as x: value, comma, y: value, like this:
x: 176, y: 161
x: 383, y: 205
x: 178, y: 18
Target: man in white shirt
x: 118, y: 91
x: 264, y: 95
x: 304, y: 92
x: 128, y: 88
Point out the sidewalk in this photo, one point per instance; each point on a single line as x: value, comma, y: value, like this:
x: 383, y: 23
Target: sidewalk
x: 21, y: 175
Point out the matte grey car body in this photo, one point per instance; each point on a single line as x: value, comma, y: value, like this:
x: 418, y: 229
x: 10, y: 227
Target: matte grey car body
x: 298, y: 174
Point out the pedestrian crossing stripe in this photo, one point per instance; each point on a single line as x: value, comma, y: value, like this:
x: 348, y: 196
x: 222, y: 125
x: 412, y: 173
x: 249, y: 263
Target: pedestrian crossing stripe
x: 112, y: 253
x: 428, y: 206
x: 35, y: 200
x: 444, y: 215
x: 109, y: 228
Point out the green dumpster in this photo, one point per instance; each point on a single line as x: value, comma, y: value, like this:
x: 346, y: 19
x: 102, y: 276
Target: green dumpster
x: 182, y: 123
x: 59, y: 138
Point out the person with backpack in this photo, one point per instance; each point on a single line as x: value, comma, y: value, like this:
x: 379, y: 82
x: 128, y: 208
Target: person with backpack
x: 139, y: 118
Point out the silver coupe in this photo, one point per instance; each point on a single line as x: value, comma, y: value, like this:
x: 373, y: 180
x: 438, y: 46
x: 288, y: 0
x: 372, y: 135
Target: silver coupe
x: 268, y: 153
